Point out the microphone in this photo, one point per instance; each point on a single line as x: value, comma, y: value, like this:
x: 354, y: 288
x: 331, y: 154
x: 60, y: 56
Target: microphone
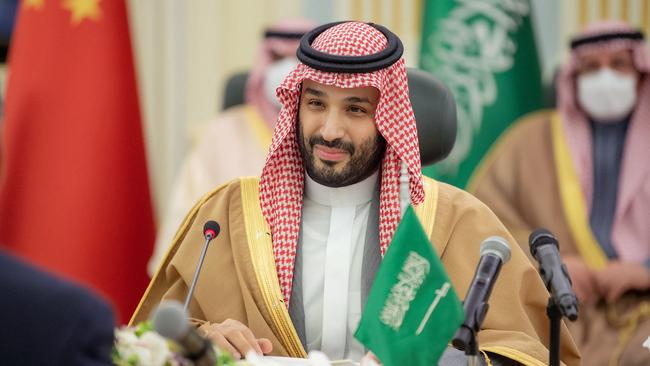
x: 170, y: 321
x: 495, y: 251
x: 545, y: 248
x: 210, y: 231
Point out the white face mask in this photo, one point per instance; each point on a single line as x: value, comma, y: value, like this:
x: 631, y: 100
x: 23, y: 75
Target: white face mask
x: 275, y: 73
x: 607, y: 95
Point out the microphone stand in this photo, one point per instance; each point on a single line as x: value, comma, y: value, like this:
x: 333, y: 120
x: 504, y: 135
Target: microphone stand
x: 188, y: 298
x: 562, y: 301
x: 555, y: 316
x: 495, y: 251
x: 465, y: 338
x: 472, y: 351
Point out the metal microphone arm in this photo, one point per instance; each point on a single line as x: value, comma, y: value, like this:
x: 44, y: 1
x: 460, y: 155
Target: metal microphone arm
x: 210, y: 231
x: 186, y: 305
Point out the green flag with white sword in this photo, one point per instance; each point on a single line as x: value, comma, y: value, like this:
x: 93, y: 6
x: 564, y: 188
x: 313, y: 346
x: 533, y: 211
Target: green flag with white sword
x: 412, y: 310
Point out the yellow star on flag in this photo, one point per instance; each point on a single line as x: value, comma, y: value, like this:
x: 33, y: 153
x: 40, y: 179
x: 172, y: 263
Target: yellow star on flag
x: 36, y: 4
x: 82, y: 9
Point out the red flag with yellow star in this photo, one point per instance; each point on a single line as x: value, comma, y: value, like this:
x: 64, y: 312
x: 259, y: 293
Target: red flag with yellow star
x: 74, y: 192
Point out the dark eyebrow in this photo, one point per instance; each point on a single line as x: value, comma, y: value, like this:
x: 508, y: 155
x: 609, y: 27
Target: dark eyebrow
x: 315, y: 92
x: 358, y: 100
x: 353, y: 99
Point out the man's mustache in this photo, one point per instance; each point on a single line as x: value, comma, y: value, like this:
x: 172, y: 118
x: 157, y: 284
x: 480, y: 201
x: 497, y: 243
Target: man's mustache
x: 334, y: 144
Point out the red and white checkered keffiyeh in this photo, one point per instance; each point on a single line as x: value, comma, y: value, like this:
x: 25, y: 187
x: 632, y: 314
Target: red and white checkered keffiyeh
x: 282, y: 179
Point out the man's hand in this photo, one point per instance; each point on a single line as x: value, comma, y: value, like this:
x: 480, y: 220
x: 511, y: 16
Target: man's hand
x: 583, y: 280
x: 236, y: 338
x: 619, y: 277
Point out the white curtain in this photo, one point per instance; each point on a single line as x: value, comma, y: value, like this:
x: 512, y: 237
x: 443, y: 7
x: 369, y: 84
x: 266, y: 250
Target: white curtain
x: 184, y: 52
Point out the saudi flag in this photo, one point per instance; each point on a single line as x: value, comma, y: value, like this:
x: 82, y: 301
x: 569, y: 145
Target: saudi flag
x: 484, y: 51
x: 412, y: 311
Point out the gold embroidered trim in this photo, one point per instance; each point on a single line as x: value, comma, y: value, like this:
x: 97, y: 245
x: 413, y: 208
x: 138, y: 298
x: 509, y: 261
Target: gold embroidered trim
x: 514, y: 354
x: 426, y: 212
x: 486, y: 358
x: 572, y: 199
x: 261, y: 130
x: 262, y: 258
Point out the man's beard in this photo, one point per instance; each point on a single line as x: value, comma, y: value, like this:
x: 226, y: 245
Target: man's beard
x: 364, y: 160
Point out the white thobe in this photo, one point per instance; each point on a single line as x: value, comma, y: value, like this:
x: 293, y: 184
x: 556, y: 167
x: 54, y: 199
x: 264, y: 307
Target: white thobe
x: 334, y: 223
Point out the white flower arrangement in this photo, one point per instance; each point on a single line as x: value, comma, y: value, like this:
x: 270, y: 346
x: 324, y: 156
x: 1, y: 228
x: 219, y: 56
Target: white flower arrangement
x: 142, y: 346
x: 146, y: 349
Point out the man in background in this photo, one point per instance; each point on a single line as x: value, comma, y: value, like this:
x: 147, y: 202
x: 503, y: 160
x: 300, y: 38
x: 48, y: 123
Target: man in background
x: 235, y: 143
x: 582, y: 172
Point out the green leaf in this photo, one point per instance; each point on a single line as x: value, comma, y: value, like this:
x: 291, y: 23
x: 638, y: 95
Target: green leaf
x: 143, y: 328
x: 133, y: 360
x: 225, y: 359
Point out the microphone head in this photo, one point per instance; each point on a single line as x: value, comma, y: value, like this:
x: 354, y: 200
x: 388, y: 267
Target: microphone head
x: 498, y: 246
x: 539, y: 237
x: 170, y: 320
x: 211, y: 228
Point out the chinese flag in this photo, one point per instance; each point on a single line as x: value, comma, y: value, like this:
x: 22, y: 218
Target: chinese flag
x: 74, y: 192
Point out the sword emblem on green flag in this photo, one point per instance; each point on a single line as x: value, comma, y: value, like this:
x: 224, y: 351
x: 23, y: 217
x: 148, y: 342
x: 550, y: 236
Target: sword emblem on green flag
x: 412, y: 310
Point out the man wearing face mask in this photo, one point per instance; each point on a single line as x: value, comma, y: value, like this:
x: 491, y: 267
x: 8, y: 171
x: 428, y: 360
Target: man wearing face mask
x: 235, y: 143
x: 582, y: 172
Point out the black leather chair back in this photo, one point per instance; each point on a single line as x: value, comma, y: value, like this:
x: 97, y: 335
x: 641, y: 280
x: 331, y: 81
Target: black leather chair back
x: 435, y: 114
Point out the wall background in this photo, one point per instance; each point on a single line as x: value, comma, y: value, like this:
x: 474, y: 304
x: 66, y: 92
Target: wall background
x: 185, y: 50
